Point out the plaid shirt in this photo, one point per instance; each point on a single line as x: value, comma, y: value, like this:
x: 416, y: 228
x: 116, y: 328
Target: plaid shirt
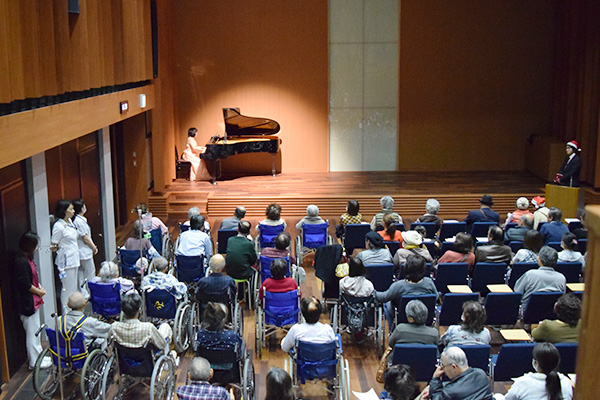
x: 198, y: 390
x: 134, y: 333
x: 346, y: 219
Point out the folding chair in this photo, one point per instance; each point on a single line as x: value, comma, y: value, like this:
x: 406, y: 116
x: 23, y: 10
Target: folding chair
x: 427, y: 299
x: 451, y: 274
x: 478, y: 355
x: 450, y: 229
x: 381, y: 275
x: 430, y: 227
x: 421, y: 357
x: 571, y: 271
x: 223, y: 236
x: 355, y: 235
x: 480, y: 229
x: 451, y: 310
x: 517, y: 271
x: 487, y: 273
x: 513, y: 360
x: 502, y: 308
x: 540, y: 307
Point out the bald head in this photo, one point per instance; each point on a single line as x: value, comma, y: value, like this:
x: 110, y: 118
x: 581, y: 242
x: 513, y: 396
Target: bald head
x: 200, y: 369
x: 240, y: 212
x: 526, y: 220
x: 76, y: 301
x: 217, y: 263
x: 160, y: 264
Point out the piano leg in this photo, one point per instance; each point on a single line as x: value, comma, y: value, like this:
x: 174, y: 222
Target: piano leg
x: 214, y: 171
x: 273, y: 163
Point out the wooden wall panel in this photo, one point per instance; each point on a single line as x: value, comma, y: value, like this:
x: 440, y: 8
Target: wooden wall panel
x: 30, y: 42
x: 63, y: 47
x: 16, y: 68
x: 47, y: 48
x: 94, y: 44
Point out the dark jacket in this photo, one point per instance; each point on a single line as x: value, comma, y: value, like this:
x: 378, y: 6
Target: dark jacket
x: 493, y: 252
x: 482, y: 215
x: 240, y: 258
x: 570, y: 171
x: 473, y: 384
x: 517, y: 233
x: 23, y: 281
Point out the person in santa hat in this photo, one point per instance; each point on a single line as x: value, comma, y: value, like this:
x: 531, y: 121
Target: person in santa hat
x: 569, y: 172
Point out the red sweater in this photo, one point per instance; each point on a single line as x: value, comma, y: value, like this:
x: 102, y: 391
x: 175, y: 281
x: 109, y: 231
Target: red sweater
x: 278, y: 286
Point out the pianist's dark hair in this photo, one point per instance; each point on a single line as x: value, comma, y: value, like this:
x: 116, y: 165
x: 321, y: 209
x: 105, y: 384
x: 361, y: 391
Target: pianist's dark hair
x: 192, y: 132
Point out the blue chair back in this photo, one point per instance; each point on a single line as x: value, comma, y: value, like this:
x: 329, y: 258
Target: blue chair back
x: 430, y: 245
x: 183, y: 228
x: 574, y: 225
x: 76, y: 357
x: 430, y: 227
x: 447, y: 246
x: 450, y: 229
x: 555, y: 245
x: 281, y: 309
x: 502, y: 308
x: 451, y: 274
x: 517, y: 271
x: 161, y: 304
x: 428, y: 271
x: 451, y: 311
x: 354, y: 237
x: 138, y: 361
x: 571, y: 271
x: 515, y: 245
x: 510, y: 225
x: 540, y: 307
x: 223, y: 236
x: 568, y: 357
x: 540, y: 225
x: 480, y: 229
x: 314, y: 235
x: 265, y: 266
x: 582, y: 245
x: 421, y: 357
x: 399, y: 226
x: 316, y: 360
x: 381, y: 276
x: 427, y: 299
x: 189, y: 268
x: 392, y: 246
x: 105, y: 298
x: 268, y: 233
x: 513, y: 360
x: 127, y: 260
x: 478, y: 355
x: 487, y: 273
x: 156, y: 239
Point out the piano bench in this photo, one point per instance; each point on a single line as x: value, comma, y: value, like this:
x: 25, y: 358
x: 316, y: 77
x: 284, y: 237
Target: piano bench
x: 182, y: 169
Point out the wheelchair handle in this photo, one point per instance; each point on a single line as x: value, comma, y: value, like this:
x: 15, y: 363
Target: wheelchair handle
x: 84, y: 283
x: 44, y: 326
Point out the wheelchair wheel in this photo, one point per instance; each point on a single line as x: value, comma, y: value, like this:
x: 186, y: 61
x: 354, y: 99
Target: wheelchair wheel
x: 334, y: 318
x: 195, y: 324
x: 379, y: 332
x: 45, y: 380
x: 111, y: 380
x: 162, y: 385
x: 183, y: 319
x: 248, y: 379
x: 345, y: 382
x: 258, y: 331
x: 238, y: 319
x: 91, y: 375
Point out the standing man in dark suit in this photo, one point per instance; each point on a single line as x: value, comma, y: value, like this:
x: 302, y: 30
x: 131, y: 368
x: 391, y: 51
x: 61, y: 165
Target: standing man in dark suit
x: 569, y: 171
x: 484, y: 214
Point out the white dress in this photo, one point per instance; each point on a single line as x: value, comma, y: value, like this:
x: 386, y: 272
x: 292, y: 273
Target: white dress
x: 192, y: 154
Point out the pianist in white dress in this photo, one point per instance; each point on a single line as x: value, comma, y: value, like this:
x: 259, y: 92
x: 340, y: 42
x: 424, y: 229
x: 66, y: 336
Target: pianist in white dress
x: 192, y: 154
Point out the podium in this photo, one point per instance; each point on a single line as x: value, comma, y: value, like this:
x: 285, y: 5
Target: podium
x: 563, y: 197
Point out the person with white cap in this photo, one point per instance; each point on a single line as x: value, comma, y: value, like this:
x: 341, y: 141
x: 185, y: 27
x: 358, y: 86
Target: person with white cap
x: 411, y: 244
x: 522, y: 209
x: 541, y: 211
x: 569, y: 171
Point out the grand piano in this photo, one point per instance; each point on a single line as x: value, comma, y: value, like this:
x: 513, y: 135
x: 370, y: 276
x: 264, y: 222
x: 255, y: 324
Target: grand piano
x: 243, y: 134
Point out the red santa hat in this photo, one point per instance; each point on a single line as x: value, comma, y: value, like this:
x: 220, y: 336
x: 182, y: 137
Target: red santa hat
x: 574, y: 145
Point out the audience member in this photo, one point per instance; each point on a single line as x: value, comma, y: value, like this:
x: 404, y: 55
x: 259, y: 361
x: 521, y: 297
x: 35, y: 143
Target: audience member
x: 138, y: 241
x: 415, y: 331
x: 205, y: 227
x: 541, y: 211
x: 159, y: 279
x: 375, y: 253
x: 278, y: 283
x: 387, y: 205
x: 518, y: 233
x: 566, y: 327
x: 399, y: 383
x: 89, y: 326
x: 542, y: 279
x: 109, y: 273
x: 279, y: 385
x: 546, y: 382
x: 199, y: 373
x: 232, y: 222
x: 281, y: 249
x: 311, y: 330
x: 432, y: 206
x: 581, y: 233
x: 494, y: 251
x: 463, y: 251
x: 471, y: 331
x: 389, y: 232
x: 464, y: 382
x: 87, y: 248
x: 522, y: 209
x: 149, y: 221
x: 312, y: 217
x: 570, y: 253
x: 216, y: 282
x: 411, y: 244
x: 241, y: 255
x: 352, y: 214
x: 484, y: 214
x: 532, y: 244
x: 273, y: 217
x: 194, y: 242
x: 554, y: 229
x: 356, y: 284
x: 64, y: 242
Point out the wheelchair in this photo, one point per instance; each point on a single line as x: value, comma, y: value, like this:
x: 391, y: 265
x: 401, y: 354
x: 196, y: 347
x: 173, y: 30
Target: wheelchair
x: 266, y: 236
x: 190, y: 269
x: 278, y: 311
x: 265, y: 269
x: 161, y: 306
x: 320, y: 362
x: 362, y: 317
x: 105, y: 299
x: 127, y: 260
x: 313, y: 236
x: 75, y: 360
x: 235, y: 312
x: 139, y: 364
x: 162, y: 243
x: 230, y: 365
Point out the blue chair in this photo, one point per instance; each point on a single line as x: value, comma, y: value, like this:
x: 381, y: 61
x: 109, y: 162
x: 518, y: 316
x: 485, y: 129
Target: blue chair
x: 450, y: 229
x: 480, y: 229
x: 574, y: 225
x: 451, y: 274
x: 513, y: 360
x: 510, y: 225
x: 381, y: 275
x: 354, y: 238
x: 540, y: 307
x: 160, y: 304
x: 189, y: 268
x: 223, y: 236
x: 502, y: 308
x: 430, y: 227
x: 156, y: 238
x: 430, y: 245
x: 517, y: 271
x: 478, y: 355
x: 183, y: 228
x: 487, y: 273
x: 582, y: 244
x: 277, y: 311
x: 571, y: 271
x: 314, y: 235
x: 568, y: 357
x: 265, y: 267
x: 105, y: 298
x: 515, y: 245
x: 555, y: 245
x: 451, y: 310
x: 127, y: 260
x: 427, y: 299
x: 540, y: 225
x: 399, y: 226
x: 447, y: 246
x: 392, y: 246
x: 267, y: 235
x: 421, y: 357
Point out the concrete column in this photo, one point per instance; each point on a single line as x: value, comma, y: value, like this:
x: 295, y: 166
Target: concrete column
x: 106, y: 194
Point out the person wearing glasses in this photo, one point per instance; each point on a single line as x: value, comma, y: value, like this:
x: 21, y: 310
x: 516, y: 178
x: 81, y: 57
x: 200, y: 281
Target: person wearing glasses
x: 464, y: 382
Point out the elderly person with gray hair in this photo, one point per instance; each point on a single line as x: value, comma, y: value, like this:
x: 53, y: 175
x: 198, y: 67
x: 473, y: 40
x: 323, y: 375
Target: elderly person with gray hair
x: 465, y: 383
x: 159, y: 279
x: 542, y: 279
x: 109, y: 273
x: 415, y: 331
x: 232, y: 222
x: 216, y: 282
x: 196, y: 211
x: 432, y: 206
x: 312, y: 217
x: 387, y: 203
x: 89, y: 326
x: 199, y: 374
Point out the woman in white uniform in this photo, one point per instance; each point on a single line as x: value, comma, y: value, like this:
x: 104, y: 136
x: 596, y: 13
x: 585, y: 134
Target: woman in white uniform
x: 87, y: 248
x: 64, y: 242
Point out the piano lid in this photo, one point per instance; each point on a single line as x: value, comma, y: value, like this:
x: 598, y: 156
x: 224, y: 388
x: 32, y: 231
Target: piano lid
x: 237, y: 124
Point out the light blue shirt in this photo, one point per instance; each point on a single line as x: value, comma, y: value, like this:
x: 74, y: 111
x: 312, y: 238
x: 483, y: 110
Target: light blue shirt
x: 194, y: 243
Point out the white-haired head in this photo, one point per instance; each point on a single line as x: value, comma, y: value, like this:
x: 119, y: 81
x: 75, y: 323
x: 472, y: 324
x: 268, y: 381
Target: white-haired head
x: 312, y: 210
x: 217, y: 263
x: 108, y: 271
x: 193, y: 211
x: 432, y: 206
